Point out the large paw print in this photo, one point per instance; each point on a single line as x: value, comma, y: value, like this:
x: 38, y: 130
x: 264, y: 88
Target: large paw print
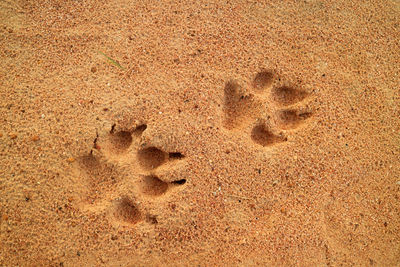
x: 123, y: 168
x: 265, y: 110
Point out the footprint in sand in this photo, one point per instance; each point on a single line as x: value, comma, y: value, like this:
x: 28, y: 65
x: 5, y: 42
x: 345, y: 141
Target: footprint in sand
x: 121, y: 160
x: 266, y: 111
x: 122, y: 168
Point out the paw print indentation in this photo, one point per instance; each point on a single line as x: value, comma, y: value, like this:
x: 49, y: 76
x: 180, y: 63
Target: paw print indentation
x: 123, y: 173
x: 264, y: 111
x: 151, y: 157
x: 125, y: 210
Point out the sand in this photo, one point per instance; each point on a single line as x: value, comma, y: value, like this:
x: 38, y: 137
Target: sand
x: 226, y: 133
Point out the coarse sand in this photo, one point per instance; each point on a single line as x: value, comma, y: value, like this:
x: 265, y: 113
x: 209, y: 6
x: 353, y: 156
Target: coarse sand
x: 199, y: 133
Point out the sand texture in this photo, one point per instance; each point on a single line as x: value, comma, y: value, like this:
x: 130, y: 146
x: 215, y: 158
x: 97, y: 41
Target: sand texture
x: 177, y: 133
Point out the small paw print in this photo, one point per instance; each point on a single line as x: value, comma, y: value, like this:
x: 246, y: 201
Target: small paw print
x: 124, y: 173
x: 264, y: 111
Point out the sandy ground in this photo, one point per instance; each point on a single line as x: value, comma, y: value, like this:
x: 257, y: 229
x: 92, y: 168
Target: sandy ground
x: 147, y: 133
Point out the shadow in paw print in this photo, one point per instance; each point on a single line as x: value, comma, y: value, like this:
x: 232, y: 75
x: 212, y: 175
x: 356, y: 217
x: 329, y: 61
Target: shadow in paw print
x: 263, y: 81
x: 119, y: 142
x: 101, y: 176
x: 138, y: 131
x: 126, y: 211
x: 287, y: 95
x: 237, y: 105
x: 175, y: 156
x: 150, y: 158
x: 262, y: 135
x: 153, y: 186
x: 291, y: 118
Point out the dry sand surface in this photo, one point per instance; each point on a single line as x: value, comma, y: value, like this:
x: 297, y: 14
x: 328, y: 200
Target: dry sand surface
x: 226, y: 133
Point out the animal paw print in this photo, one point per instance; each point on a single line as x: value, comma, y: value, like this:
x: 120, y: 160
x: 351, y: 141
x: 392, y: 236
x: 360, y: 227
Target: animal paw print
x: 124, y: 174
x: 266, y: 110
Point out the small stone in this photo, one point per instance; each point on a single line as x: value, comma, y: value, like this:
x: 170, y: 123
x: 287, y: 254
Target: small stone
x: 13, y: 135
x: 35, y: 138
x: 71, y: 159
x: 1, y: 135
